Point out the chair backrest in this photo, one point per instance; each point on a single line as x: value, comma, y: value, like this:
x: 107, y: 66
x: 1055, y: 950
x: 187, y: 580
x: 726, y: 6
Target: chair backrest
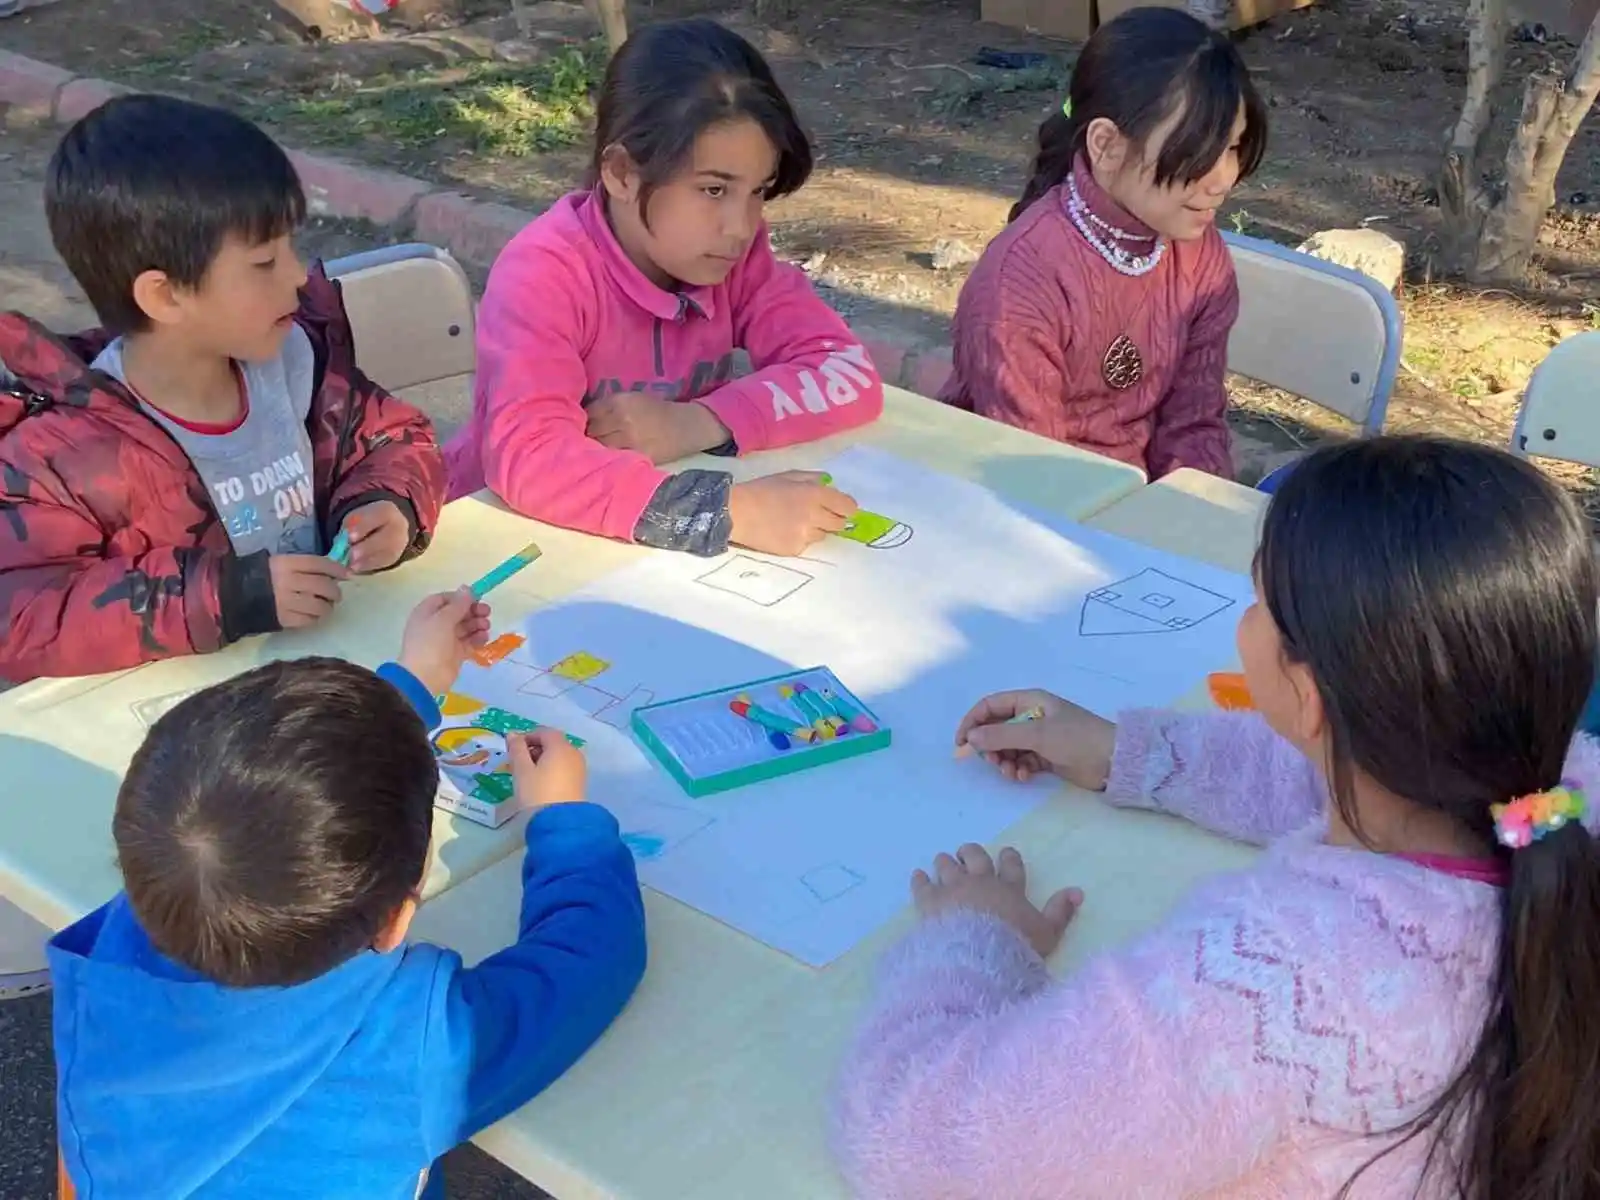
x: 411, y: 311
x: 1319, y: 331
x: 1560, y: 416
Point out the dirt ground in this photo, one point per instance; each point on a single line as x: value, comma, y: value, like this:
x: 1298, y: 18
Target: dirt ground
x: 917, y: 144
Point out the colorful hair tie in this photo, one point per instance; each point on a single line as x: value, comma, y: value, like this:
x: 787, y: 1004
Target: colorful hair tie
x: 1066, y: 107
x: 1527, y: 819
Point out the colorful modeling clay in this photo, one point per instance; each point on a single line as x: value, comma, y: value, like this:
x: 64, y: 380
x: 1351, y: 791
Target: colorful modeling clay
x: 1229, y: 691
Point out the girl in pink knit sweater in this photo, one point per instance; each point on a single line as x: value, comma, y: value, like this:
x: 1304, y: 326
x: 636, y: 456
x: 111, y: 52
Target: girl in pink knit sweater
x: 1101, y: 315
x: 1399, y: 999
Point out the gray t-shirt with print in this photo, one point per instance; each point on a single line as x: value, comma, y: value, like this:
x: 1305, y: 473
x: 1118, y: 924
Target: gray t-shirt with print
x: 260, y: 474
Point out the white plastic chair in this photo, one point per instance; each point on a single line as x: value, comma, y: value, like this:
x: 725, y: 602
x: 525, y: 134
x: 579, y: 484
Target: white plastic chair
x: 1319, y: 331
x: 1560, y: 416
x: 411, y: 312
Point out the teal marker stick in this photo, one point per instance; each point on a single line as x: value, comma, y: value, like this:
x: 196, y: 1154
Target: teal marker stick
x: 814, y: 709
x: 339, y: 552
x: 522, y: 558
x: 847, y: 712
x: 769, y: 720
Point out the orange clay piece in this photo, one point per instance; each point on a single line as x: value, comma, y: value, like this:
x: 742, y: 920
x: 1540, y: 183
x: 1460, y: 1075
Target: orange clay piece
x: 1229, y: 691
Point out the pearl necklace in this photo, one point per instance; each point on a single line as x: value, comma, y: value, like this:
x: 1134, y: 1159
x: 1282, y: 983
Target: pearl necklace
x: 1118, y: 257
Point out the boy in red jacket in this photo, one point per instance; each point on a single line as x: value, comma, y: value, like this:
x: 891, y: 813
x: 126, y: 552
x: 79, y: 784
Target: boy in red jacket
x: 174, y: 481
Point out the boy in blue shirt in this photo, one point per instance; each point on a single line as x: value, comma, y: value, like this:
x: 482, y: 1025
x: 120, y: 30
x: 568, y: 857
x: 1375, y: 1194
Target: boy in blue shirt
x: 245, y: 1019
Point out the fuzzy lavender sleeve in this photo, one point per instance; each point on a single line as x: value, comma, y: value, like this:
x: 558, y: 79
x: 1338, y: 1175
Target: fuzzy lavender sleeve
x: 1225, y: 772
x: 976, y: 1075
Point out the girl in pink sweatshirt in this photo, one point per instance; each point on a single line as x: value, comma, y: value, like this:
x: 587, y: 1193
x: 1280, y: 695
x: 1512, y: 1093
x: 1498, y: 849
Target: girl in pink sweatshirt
x: 1399, y: 998
x: 610, y: 332
x: 1101, y: 315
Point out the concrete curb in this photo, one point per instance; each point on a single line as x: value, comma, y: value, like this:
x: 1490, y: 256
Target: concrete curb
x: 475, y: 231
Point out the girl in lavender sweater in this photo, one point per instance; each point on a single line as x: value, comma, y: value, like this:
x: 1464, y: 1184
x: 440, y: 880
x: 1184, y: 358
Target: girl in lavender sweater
x: 1399, y: 999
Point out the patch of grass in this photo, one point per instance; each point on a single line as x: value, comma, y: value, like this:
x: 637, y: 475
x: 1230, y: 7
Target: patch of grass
x: 502, y: 109
x: 177, y: 48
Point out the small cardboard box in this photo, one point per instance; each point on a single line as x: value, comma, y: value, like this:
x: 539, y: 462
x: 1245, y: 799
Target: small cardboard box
x: 1070, y: 19
x: 1077, y: 19
x: 1241, y: 13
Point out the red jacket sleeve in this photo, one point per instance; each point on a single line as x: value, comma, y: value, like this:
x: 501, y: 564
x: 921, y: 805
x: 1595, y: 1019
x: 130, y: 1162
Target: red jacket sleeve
x: 812, y: 376
x: 383, y: 448
x: 1191, y: 425
x: 68, y: 612
x: 537, y: 454
x: 394, y: 455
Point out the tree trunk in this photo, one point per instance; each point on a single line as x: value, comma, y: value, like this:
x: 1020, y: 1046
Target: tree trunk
x: 1553, y: 107
x: 613, y: 16
x: 1488, y: 23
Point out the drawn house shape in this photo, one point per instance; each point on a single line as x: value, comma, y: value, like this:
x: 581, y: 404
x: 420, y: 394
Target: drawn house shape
x: 1150, y: 602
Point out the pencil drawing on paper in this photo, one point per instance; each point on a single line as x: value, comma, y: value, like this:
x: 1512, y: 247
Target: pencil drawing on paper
x: 1150, y: 602
x: 583, y: 680
x: 831, y: 881
x: 756, y: 580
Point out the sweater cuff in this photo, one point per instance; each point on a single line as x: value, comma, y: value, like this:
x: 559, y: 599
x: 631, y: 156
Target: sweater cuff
x: 740, y: 412
x: 245, y: 597
x: 1141, y: 759
x: 416, y: 694
x: 689, y: 511
x: 970, y: 954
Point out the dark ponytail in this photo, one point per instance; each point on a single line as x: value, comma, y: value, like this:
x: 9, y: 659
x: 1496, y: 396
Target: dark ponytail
x: 1136, y: 71
x: 1444, y: 597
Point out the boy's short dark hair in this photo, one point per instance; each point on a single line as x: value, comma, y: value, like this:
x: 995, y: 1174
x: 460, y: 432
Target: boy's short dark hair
x: 155, y: 183
x: 270, y: 826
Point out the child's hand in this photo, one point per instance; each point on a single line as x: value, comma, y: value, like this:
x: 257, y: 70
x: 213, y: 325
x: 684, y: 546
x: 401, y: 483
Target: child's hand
x: 1069, y: 741
x: 379, y: 534
x: 663, y: 430
x: 305, y: 587
x: 971, y: 880
x: 546, y: 768
x: 440, y: 634
x: 785, y: 513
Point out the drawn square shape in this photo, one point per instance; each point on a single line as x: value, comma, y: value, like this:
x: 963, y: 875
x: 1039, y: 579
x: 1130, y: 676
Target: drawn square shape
x: 1157, y: 600
x: 831, y: 881
x: 1179, y: 623
x: 580, y: 667
x: 1104, y: 594
x: 760, y: 582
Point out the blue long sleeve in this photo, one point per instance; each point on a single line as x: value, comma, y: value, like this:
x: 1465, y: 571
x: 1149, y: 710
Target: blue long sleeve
x: 514, y: 1023
x: 409, y: 686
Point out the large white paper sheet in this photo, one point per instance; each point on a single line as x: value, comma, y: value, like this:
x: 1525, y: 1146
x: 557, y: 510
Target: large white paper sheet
x: 969, y: 596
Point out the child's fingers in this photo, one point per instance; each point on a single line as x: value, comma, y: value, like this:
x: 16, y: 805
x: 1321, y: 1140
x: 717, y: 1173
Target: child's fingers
x: 975, y: 859
x: 921, y: 886
x: 520, y: 753
x: 1011, y: 867
x: 947, y: 869
x: 1062, y: 907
